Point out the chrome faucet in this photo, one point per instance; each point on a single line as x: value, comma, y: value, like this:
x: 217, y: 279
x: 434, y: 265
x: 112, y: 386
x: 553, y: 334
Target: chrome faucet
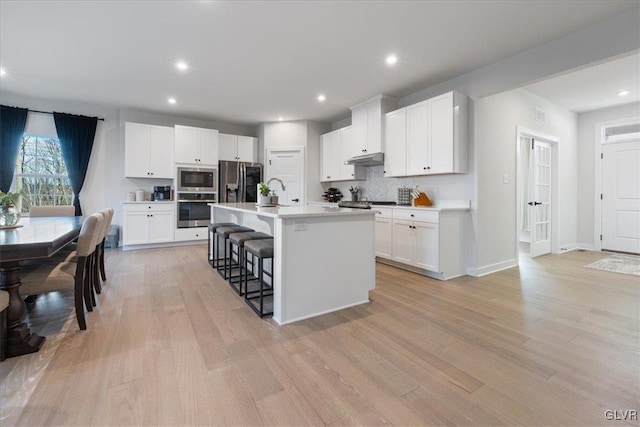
x: 280, y: 181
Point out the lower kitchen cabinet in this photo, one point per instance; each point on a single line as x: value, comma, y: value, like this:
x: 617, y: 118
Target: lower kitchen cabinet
x: 146, y: 223
x: 190, y: 234
x: 427, y: 241
x: 384, y: 235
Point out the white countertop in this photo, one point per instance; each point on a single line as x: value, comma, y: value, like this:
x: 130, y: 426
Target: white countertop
x: 148, y: 202
x: 441, y: 205
x: 292, y: 211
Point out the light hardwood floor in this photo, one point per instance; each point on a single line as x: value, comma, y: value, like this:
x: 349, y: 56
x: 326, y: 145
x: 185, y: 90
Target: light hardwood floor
x: 550, y: 343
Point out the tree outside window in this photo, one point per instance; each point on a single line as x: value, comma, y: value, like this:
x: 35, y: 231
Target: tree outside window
x: 41, y: 173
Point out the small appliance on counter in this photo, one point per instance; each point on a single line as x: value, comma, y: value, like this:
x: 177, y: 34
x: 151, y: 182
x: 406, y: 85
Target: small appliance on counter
x: 332, y: 195
x: 162, y: 192
x: 140, y: 195
x: 404, y: 196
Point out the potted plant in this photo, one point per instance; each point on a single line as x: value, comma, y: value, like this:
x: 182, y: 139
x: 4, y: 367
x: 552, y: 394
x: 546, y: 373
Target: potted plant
x: 263, y: 197
x: 9, y: 215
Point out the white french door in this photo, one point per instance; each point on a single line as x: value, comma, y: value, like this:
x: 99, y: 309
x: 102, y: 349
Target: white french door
x: 540, y: 198
x: 621, y: 197
x: 288, y: 166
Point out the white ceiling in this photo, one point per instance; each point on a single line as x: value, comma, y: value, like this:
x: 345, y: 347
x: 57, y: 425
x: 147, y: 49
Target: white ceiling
x: 594, y: 87
x: 254, y: 61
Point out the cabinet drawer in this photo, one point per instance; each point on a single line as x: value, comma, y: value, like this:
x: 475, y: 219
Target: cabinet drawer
x: 417, y: 215
x: 383, y: 212
x: 148, y: 207
x: 186, y: 234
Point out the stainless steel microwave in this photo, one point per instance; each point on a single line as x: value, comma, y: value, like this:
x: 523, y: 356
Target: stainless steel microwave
x: 198, y: 179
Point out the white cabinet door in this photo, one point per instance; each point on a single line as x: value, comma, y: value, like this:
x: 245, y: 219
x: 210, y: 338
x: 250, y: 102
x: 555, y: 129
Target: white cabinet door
x: 330, y: 150
x: 418, y: 162
x: 360, y: 126
x: 346, y: 172
x: 136, y: 157
x: 374, y: 127
x: 208, y: 146
x: 135, y: 228
x: 384, y: 237
x: 187, y: 145
x: 227, y: 147
x: 426, y: 246
x: 441, y: 138
x: 161, y: 225
x: 161, y: 152
x: 403, y: 241
x: 395, y: 156
x: 247, y: 149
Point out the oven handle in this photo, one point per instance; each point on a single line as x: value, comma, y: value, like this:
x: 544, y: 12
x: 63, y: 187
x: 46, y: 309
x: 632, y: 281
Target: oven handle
x: 243, y: 182
x: 196, y: 201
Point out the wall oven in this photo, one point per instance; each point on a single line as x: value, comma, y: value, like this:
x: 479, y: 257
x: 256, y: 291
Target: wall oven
x: 193, y: 210
x: 198, y: 179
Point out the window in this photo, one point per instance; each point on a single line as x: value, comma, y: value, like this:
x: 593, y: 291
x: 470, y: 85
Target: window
x: 41, y: 173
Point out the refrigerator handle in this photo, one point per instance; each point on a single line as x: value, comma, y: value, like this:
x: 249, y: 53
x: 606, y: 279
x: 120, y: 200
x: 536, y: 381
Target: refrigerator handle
x: 242, y: 190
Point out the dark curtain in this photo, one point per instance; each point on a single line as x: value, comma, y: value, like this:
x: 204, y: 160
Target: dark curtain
x: 12, y: 123
x: 76, y: 134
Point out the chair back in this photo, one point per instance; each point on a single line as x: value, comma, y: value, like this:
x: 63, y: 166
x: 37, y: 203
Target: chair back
x: 86, y: 237
x: 101, y: 218
x: 108, y: 213
x: 39, y: 211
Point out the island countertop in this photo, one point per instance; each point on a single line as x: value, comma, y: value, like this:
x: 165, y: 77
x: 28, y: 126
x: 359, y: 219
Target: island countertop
x: 292, y: 211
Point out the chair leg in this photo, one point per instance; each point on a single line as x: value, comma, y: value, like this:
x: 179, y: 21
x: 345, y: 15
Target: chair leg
x: 3, y: 334
x: 78, y: 291
x: 88, y: 288
x: 102, y: 271
x: 96, y: 279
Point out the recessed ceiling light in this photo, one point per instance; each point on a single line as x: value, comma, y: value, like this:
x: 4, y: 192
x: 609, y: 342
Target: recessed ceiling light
x: 321, y: 98
x: 171, y: 100
x: 182, y: 66
x: 624, y: 93
x: 2, y: 72
x: 280, y: 119
x: 391, y: 60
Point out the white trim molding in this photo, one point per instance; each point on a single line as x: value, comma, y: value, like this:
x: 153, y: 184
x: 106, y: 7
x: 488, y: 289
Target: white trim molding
x: 492, y: 268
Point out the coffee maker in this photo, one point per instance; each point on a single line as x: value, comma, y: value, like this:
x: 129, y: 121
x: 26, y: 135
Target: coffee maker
x: 162, y: 192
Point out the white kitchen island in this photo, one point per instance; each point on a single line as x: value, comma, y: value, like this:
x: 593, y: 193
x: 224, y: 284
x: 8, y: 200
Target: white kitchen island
x: 324, y: 257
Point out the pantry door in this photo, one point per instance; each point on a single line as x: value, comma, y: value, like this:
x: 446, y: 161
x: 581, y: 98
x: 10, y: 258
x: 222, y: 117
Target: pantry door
x: 621, y: 197
x: 288, y: 166
x: 540, y: 198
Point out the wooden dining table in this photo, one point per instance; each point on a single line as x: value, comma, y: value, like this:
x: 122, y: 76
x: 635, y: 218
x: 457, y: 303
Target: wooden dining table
x: 36, y: 238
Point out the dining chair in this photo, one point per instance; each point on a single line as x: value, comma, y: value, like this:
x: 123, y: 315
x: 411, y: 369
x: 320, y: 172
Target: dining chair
x: 105, y: 231
x: 40, y: 211
x: 50, y: 277
x: 4, y: 304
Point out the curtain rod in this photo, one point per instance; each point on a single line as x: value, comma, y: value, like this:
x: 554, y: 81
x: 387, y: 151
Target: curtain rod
x: 49, y: 112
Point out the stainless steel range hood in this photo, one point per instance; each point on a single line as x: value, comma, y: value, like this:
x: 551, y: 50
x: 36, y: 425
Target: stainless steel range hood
x: 373, y: 159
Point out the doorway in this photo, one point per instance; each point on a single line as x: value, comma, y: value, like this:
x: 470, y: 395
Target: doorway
x: 536, y: 184
x: 287, y: 164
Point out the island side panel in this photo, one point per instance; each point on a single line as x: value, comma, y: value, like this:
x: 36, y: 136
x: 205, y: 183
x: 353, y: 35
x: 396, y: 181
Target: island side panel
x: 323, y: 264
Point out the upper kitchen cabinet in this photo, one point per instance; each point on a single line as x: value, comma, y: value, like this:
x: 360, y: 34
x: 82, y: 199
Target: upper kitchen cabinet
x: 435, y: 135
x: 367, y: 122
x: 196, y: 145
x: 237, y: 148
x: 148, y: 151
x: 336, y: 147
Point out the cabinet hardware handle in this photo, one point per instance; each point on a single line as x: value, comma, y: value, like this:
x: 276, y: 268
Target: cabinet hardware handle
x: 425, y: 168
x: 328, y: 177
x: 411, y: 215
x: 149, y: 207
x: 428, y: 167
x: 197, y: 235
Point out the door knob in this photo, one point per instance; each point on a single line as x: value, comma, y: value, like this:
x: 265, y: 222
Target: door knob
x: 534, y: 203
x: 295, y: 200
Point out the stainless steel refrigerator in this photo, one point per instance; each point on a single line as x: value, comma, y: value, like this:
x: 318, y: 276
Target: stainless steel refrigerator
x: 237, y: 181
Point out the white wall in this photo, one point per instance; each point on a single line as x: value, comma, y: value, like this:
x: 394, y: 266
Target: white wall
x: 105, y: 184
x: 587, y: 130
x: 496, y: 120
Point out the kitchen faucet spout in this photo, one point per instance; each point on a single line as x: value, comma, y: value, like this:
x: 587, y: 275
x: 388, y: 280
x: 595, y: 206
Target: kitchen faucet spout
x: 280, y: 181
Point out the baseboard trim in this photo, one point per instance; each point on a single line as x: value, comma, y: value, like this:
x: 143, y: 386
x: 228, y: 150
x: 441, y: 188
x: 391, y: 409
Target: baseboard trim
x: 164, y: 245
x: 321, y: 313
x: 492, y: 268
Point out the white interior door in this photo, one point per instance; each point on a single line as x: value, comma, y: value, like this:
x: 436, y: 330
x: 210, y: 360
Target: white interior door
x: 621, y: 197
x: 540, y: 199
x: 287, y: 165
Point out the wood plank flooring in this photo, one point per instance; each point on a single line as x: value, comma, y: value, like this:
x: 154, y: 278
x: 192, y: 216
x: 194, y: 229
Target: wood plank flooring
x: 549, y: 343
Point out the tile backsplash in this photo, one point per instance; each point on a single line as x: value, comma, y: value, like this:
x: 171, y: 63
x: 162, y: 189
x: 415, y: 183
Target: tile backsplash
x: 379, y: 188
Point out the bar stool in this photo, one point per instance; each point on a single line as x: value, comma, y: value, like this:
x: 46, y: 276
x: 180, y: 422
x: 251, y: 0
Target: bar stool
x: 237, y: 240
x: 212, y: 256
x: 223, y: 233
x: 262, y: 250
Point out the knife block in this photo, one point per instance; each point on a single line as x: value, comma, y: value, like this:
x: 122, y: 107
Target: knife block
x: 422, y: 200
